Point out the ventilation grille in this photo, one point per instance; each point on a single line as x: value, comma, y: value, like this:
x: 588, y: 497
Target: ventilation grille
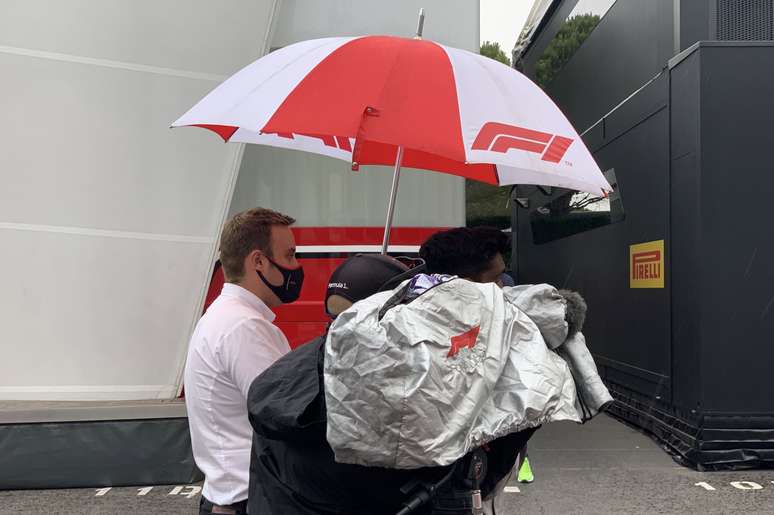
x: 745, y: 20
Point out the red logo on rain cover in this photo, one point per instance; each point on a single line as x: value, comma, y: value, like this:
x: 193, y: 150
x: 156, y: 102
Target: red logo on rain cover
x: 499, y: 137
x: 466, y: 339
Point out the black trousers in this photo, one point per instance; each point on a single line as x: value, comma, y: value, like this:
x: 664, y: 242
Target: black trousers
x: 208, y: 508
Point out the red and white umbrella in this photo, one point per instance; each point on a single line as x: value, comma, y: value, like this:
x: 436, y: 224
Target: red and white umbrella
x: 385, y: 100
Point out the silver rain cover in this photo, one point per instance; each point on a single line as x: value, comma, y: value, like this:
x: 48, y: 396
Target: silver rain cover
x: 456, y: 368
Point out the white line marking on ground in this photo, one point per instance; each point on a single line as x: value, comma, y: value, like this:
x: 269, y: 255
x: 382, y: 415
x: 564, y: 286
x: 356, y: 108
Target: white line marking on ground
x: 512, y: 490
x: 194, y: 491
x: 144, y: 491
x: 102, y: 491
x: 746, y: 485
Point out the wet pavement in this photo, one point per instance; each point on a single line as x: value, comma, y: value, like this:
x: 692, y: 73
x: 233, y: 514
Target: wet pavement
x: 603, y: 467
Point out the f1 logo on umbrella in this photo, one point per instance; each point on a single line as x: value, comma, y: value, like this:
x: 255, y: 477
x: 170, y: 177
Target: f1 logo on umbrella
x: 499, y: 137
x: 341, y: 142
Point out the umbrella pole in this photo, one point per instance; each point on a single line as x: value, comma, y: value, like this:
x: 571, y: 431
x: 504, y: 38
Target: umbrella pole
x: 398, y: 162
x: 393, y: 195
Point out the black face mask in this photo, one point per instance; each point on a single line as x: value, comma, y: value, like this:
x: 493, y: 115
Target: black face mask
x: 292, y: 280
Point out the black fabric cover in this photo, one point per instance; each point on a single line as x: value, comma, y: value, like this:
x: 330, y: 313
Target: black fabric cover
x: 96, y: 454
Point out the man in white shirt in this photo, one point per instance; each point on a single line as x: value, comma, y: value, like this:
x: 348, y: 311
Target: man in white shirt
x: 232, y: 344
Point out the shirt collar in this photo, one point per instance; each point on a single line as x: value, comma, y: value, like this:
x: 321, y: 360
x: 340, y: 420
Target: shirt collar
x: 234, y: 290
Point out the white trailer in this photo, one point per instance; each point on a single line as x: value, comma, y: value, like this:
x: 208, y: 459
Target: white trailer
x: 109, y: 220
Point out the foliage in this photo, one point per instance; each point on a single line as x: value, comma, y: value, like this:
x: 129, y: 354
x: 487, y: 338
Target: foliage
x: 570, y: 37
x: 492, y: 50
x: 486, y: 205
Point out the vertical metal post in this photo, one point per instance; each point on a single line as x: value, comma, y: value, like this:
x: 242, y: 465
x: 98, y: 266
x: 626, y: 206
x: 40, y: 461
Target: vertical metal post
x: 393, y: 196
x: 398, y: 162
x: 420, y: 23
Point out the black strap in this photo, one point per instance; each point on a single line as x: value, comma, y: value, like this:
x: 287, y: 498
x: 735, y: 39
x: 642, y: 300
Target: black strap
x: 238, y: 507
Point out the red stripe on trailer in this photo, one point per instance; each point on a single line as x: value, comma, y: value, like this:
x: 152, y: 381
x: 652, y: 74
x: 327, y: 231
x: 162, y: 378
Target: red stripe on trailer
x: 305, y: 319
x: 332, y: 236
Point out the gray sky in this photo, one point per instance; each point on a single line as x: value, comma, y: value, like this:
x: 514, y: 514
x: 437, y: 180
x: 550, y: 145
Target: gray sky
x: 502, y: 20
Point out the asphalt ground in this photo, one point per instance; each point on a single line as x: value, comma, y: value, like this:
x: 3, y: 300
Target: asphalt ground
x: 603, y: 467
x: 606, y: 467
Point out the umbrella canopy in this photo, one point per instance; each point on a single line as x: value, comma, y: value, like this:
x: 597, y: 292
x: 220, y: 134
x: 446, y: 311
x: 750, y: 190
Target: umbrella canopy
x: 384, y: 100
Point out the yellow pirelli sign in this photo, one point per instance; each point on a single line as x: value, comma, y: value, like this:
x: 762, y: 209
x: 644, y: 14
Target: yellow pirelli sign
x: 646, y: 265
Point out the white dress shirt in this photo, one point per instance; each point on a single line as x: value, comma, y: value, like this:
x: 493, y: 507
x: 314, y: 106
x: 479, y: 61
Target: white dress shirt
x: 232, y: 344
